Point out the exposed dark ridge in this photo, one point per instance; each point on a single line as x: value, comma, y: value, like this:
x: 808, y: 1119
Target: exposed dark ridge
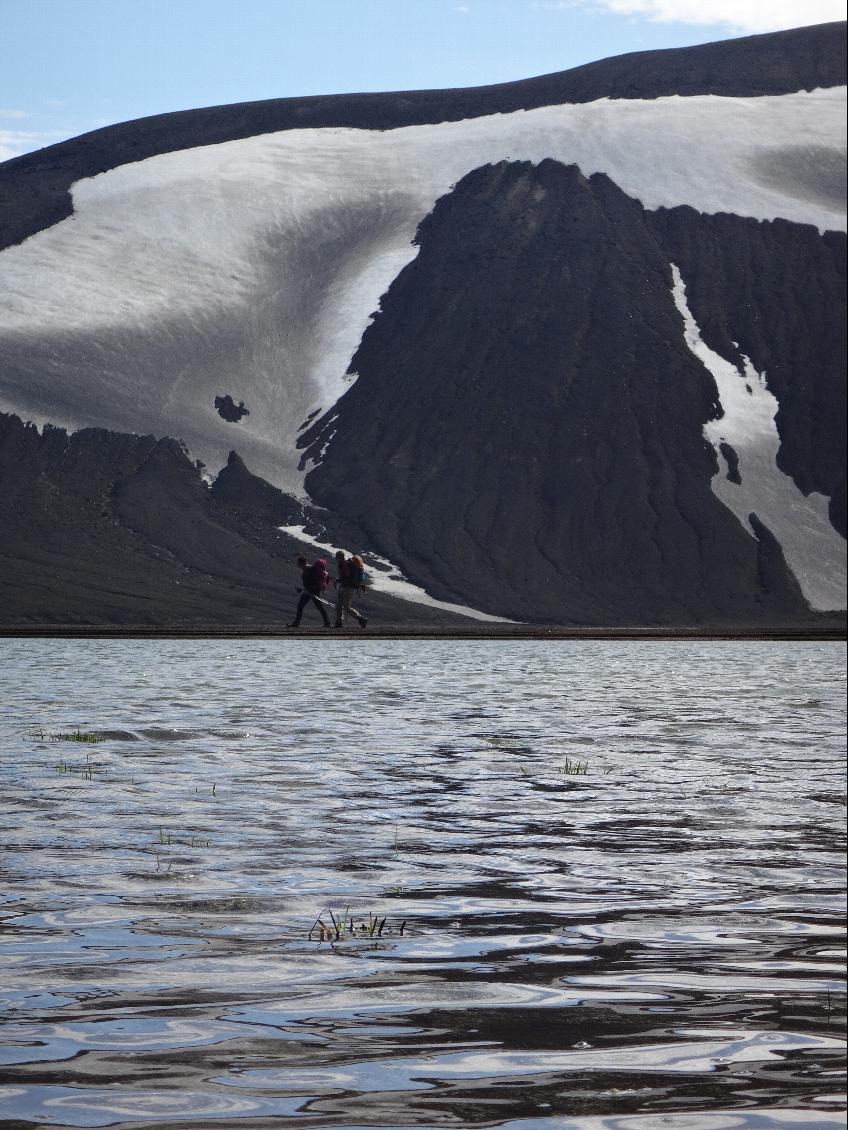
x: 34, y: 187
x: 255, y: 500
x: 228, y: 410
x: 526, y: 431
x: 554, y: 468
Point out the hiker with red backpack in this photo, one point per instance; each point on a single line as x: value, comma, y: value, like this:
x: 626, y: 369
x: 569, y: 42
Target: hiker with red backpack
x: 316, y: 580
x: 350, y: 578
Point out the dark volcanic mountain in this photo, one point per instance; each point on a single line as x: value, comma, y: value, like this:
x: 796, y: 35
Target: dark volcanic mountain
x: 581, y: 420
x: 565, y: 351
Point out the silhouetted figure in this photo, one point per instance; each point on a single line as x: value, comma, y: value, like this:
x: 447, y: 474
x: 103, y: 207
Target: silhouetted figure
x: 315, y: 579
x: 350, y: 574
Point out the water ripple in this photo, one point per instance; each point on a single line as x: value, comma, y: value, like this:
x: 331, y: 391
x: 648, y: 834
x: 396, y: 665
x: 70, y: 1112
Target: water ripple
x: 656, y: 941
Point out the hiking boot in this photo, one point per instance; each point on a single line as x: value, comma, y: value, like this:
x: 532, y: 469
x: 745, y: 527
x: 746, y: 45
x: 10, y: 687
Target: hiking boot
x: 338, y: 624
x: 362, y: 621
x: 294, y: 624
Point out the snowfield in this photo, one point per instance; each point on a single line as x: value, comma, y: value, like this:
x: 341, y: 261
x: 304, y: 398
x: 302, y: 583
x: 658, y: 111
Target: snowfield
x: 252, y: 268
x: 813, y: 549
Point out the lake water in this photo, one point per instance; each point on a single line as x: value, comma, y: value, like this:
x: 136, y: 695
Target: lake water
x: 655, y: 942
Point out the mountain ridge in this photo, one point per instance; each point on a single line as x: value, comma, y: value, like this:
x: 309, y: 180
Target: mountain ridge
x: 775, y: 63
x: 569, y: 406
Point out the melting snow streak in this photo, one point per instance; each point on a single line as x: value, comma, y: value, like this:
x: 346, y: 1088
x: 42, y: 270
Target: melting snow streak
x: 393, y: 583
x: 813, y: 550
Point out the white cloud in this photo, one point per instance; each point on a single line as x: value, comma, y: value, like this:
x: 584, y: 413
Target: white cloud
x: 739, y: 15
x: 9, y: 115
x: 14, y: 142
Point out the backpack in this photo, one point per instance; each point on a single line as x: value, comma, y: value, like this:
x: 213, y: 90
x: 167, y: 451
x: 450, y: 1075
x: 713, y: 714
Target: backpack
x: 359, y: 575
x: 316, y: 577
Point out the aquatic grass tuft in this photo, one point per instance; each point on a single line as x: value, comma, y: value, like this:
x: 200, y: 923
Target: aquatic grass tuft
x: 86, y: 737
x: 90, y: 737
x: 574, y: 768
x: 828, y: 1005
x: 167, y: 839
x: 86, y: 771
x: 342, y: 926
x: 569, y: 769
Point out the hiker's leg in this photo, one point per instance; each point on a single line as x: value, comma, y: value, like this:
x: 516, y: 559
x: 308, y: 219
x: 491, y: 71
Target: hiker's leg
x: 301, y: 604
x: 342, y: 606
x: 322, y: 610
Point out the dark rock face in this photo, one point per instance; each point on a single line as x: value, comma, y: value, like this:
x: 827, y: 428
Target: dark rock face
x: 105, y: 528
x: 34, y: 188
x: 526, y: 430
x: 732, y: 458
x: 228, y: 410
x: 102, y: 528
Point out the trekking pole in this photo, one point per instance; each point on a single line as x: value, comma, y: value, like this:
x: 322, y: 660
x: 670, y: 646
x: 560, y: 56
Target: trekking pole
x: 363, y: 620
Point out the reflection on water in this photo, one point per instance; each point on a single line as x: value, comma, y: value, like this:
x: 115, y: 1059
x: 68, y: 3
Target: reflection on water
x: 658, y: 941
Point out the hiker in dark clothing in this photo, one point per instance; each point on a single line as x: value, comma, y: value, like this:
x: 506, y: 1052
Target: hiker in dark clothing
x: 349, y: 577
x: 315, y: 578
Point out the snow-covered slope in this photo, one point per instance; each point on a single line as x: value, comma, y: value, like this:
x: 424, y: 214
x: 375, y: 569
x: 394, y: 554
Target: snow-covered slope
x: 252, y: 268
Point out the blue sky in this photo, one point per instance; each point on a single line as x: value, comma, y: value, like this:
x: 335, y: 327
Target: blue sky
x: 69, y: 66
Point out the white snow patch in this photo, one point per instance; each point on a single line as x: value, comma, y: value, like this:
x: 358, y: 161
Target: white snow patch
x: 319, y: 458
x: 253, y: 267
x: 394, y: 583
x: 813, y: 549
